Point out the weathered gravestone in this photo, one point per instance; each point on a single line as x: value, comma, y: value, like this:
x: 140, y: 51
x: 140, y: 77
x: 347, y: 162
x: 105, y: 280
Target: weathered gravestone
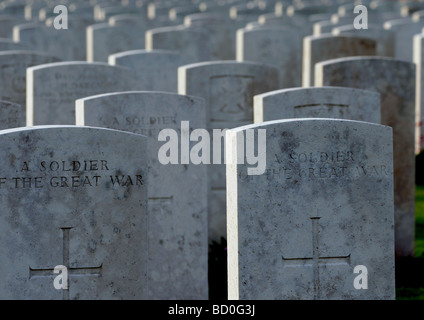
x: 419, y: 98
x: 12, y: 115
x: 159, y: 10
x: 7, y: 22
x: 67, y: 44
x: 280, y: 46
x: 121, y: 33
x: 318, y: 102
x: 300, y: 22
x: 412, y: 8
x: 73, y: 197
x: 384, y: 38
x: 80, y: 9
x: 404, y: 31
x: 179, y: 11
x: 193, y: 44
x: 9, y: 44
x: 104, y: 39
x: 325, y: 47
x: 323, y: 207
x: 153, y: 70
x: 13, y: 65
x: 250, y: 10
x: 105, y: 12
x: 323, y: 27
x: 228, y: 88
x: 358, y: 21
x: 15, y: 8
x: 395, y: 81
x: 32, y: 11
x: 53, y: 88
x: 178, y: 246
x: 221, y: 32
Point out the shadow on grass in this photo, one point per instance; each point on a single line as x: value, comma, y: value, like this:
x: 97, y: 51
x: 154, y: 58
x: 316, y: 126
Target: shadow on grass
x: 217, y: 270
x: 410, y: 278
x: 410, y: 271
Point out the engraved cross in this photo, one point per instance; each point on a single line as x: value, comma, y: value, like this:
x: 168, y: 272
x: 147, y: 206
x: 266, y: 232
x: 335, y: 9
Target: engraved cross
x: 316, y: 260
x: 76, y: 271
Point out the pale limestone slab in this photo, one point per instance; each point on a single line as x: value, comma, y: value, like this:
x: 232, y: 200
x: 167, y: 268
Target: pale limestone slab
x: 53, y: 88
x: 326, y: 47
x: 180, y: 11
x: 68, y: 45
x: 153, y: 70
x: 419, y: 98
x: 7, y: 22
x: 323, y: 206
x: 404, y: 30
x: 12, y: 115
x: 76, y: 197
x: 318, y: 102
x: 104, y: 39
x: 221, y: 32
x: 228, y: 88
x: 395, y: 81
x: 193, y: 44
x: 383, y: 37
x: 106, y: 12
x: 277, y: 45
x: 301, y: 23
x: 9, y: 44
x: 178, y: 233
x: 13, y: 65
x: 122, y: 32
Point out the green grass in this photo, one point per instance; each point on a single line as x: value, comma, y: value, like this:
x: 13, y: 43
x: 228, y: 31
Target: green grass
x: 419, y: 221
x: 407, y: 293
x: 409, y: 276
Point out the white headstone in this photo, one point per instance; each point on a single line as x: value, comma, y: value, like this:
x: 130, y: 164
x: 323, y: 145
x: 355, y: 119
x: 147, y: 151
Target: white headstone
x: 104, y: 39
x: 323, y: 208
x: 104, y: 13
x: 177, y: 215
x: 12, y: 115
x: 192, y: 44
x: 301, y: 23
x: 7, y: 22
x: 66, y: 44
x: 153, y: 70
x: 53, y: 88
x: 73, y: 198
x: 419, y: 98
x: 179, y: 12
x: 404, y: 31
x: 395, y: 81
x: 9, y: 44
x: 221, y: 32
x: 13, y: 65
x: 279, y: 46
x: 326, y: 47
x: 228, y: 88
x: 318, y: 102
x: 384, y: 38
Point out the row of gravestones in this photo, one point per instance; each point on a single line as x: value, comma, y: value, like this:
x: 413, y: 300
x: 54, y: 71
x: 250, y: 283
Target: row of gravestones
x: 148, y: 113
x: 206, y: 36
x: 326, y: 176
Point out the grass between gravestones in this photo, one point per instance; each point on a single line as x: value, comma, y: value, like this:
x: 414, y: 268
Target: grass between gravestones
x: 409, y: 271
